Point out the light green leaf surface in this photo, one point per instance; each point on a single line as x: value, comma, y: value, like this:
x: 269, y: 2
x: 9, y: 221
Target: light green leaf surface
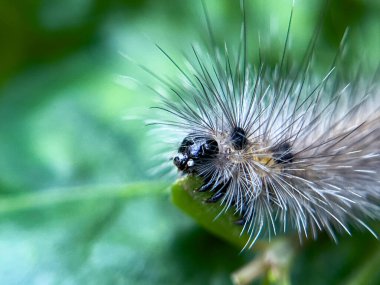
x: 107, y: 235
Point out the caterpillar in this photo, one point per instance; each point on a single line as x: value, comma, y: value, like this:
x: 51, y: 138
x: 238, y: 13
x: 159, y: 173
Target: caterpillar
x: 285, y: 150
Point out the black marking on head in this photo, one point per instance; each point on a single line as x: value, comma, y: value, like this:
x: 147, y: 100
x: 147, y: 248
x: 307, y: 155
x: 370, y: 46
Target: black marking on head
x: 238, y: 138
x: 210, y: 148
x: 181, y: 161
x: 185, y: 144
x: 282, y: 153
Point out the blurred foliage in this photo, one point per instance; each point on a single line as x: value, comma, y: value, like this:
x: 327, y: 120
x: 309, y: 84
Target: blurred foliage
x: 62, y: 104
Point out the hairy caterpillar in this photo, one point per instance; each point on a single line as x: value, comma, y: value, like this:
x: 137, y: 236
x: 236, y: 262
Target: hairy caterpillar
x: 280, y: 147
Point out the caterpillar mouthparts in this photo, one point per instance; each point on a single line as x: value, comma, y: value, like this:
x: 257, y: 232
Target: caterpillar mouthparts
x: 284, y: 150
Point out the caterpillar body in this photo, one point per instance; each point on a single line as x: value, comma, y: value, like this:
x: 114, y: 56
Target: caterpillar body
x: 280, y: 147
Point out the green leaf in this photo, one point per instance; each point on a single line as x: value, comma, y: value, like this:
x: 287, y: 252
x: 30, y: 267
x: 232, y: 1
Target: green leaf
x: 210, y: 216
x: 107, y: 235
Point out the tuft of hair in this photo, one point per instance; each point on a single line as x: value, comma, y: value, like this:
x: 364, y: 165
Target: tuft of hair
x: 292, y: 151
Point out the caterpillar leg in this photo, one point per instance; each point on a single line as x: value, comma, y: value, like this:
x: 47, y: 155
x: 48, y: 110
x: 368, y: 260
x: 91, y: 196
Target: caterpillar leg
x: 220, y: 190
x: 207, y: 186
x: 240, y: 222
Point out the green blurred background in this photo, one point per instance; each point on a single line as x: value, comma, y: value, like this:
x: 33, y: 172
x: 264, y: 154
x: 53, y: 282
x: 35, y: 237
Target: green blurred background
x: 66, y: 149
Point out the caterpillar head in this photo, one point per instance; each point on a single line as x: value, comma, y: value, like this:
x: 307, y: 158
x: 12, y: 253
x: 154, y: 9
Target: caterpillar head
x: 194, y: 151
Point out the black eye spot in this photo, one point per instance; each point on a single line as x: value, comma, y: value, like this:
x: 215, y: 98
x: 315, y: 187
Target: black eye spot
x: 282, y: 153
x: 238, y: 138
